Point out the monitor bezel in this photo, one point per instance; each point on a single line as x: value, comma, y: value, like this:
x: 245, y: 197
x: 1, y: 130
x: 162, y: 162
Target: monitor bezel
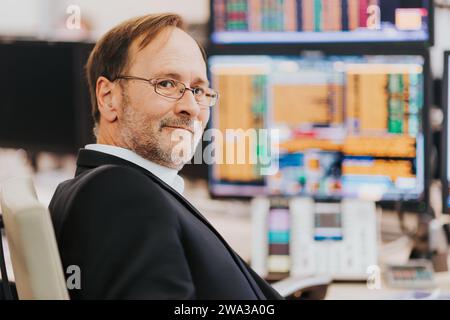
x: 444, y: 142
x: 422, y: 203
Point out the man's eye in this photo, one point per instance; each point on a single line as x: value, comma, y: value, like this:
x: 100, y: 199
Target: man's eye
x: 166, y: 84
x: 199, y: 91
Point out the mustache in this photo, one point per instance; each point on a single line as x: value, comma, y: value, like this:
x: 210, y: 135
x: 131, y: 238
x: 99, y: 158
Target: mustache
x: 178, y: 122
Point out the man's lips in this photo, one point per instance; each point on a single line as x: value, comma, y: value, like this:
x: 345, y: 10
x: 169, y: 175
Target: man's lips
x: 177, y: 127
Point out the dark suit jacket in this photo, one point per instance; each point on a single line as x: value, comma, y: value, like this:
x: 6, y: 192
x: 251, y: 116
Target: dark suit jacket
x: 134, y: 237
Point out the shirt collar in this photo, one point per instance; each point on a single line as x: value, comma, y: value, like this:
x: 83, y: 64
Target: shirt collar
x: 168, y: 175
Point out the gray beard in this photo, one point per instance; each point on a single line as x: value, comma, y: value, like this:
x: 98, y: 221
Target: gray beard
x: 139, y: 138
x: 144, y: 144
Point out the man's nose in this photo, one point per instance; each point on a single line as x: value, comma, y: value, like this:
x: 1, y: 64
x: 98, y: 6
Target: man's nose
x: 188, y: 105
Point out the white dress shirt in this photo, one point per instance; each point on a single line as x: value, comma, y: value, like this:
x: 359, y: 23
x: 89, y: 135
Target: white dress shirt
x: 168, y: 175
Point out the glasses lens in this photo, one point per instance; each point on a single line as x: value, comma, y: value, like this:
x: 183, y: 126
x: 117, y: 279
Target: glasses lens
x: 169, y: 88
x: 199, y: 93
x: 212, y: 97
x: 174, y: 89
x: 207, y: 98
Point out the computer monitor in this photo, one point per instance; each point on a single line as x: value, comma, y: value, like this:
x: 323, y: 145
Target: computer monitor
x: 321, y: 21
x: 445, y: 136
x: 44, y: 103
x: 338, y: 126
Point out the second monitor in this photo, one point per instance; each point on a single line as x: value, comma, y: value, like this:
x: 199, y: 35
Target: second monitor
x: 321, y: 21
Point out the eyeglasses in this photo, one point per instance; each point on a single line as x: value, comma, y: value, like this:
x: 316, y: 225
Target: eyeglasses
x: 173, y: 89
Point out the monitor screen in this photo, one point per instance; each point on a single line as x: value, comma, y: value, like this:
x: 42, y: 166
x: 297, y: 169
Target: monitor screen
x: 445, y: 107
x: 328, y: 127
x: 44, y: 104
x: 319, y: 21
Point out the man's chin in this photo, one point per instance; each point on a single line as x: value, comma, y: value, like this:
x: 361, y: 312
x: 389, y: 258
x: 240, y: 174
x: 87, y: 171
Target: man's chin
x: 174, y: 158
x: 179, y: 162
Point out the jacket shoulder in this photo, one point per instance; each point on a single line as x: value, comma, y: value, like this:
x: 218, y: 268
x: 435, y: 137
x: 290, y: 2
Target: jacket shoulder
x: 114, y: 178
x: 110, y: 190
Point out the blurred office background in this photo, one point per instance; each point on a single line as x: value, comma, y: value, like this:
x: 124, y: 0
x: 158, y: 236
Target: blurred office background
x: 45, y: 118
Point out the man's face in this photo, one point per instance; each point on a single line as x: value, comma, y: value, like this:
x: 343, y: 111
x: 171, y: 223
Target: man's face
x: 161, y: 129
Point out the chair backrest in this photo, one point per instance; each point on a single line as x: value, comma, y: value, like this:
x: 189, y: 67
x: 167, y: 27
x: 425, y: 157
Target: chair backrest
x: 34, y: 252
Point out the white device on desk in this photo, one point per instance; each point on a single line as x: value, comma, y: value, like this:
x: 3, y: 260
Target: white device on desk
x: 335, y: 239
x: 416, y: 274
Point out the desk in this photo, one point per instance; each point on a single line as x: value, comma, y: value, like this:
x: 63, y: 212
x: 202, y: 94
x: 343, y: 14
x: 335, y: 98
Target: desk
x: 359, y: 291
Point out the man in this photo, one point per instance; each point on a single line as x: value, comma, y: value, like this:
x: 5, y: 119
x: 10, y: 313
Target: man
x: 122, y: 219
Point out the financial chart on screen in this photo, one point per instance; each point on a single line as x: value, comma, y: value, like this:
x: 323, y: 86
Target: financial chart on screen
x: 319, y: 21
x: 346, y: 126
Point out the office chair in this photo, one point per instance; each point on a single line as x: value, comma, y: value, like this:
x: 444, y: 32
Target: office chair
x: 35, y: 257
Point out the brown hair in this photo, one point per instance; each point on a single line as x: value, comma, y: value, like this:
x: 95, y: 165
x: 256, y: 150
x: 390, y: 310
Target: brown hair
x: 110, y: 56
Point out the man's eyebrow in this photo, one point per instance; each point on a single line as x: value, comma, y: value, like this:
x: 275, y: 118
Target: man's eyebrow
x: 177, y: 76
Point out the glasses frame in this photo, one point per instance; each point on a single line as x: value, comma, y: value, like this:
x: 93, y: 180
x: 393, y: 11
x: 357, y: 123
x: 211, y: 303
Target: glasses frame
x: 153, y: 81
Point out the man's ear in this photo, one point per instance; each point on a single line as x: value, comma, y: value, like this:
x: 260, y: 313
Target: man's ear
x: 107, y: 104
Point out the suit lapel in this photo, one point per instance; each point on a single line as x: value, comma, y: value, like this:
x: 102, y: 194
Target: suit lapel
x: 88, y: 159
x: 234, y: 255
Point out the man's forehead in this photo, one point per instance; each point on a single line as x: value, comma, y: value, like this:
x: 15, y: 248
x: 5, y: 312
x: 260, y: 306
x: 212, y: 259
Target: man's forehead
x: 171, y: 43
x: 165, y: 54
x: 181, y: 74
